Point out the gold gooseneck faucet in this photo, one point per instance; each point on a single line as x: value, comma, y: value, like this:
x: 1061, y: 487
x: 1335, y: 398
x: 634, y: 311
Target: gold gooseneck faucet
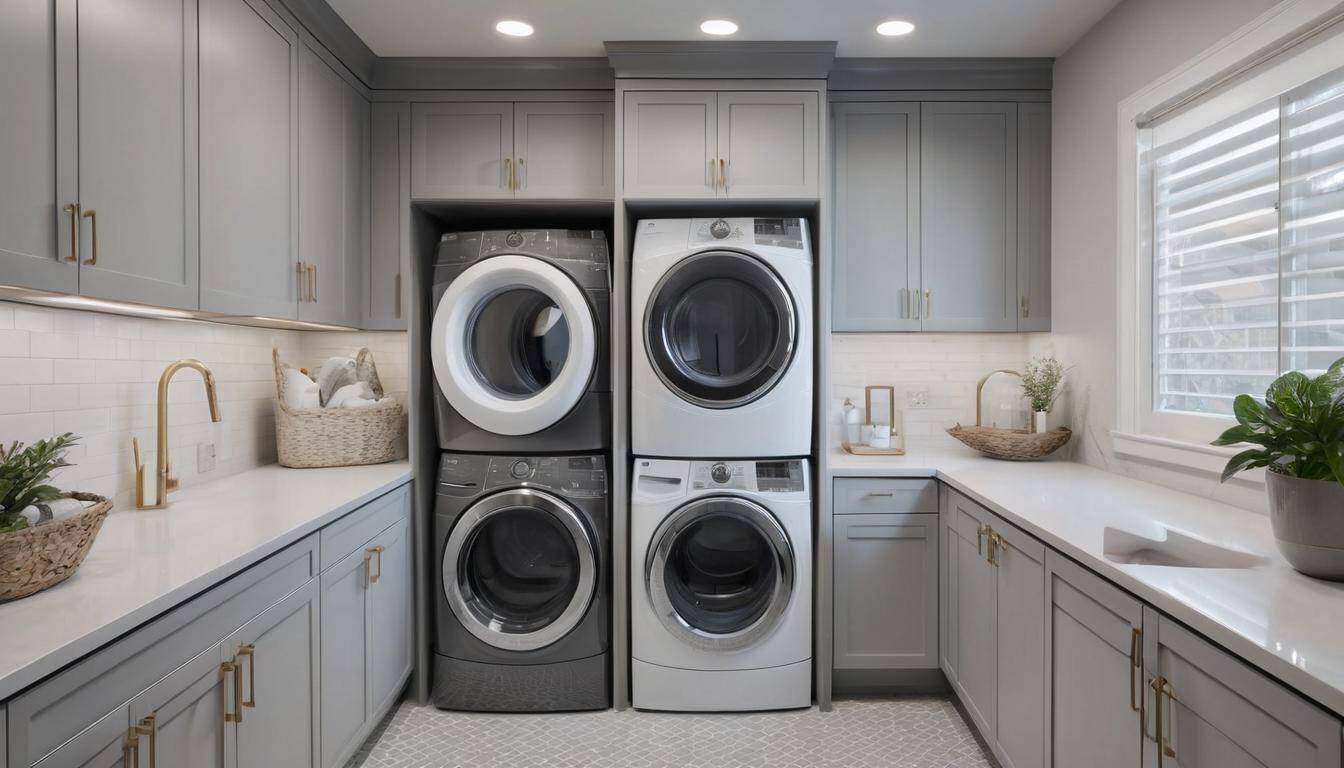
x: 163, y: 481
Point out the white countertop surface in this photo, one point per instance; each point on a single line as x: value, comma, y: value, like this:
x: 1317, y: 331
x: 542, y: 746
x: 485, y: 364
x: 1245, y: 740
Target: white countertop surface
x: 1287, y: 624
x: 145, y: 562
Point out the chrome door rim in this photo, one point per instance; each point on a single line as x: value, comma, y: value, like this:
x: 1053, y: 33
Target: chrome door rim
x: 471, y: 520
x: 759, y: 518
x: 785, y: 355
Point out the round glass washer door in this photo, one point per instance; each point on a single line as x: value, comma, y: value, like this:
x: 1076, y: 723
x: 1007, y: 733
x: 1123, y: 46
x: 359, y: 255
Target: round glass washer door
x: 719, y: 329
x: 719, y: 573
x: 519, y: 569
x: 513, y: 344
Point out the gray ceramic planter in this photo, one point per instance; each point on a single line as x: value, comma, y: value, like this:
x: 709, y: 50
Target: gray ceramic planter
x: 1308, y: 520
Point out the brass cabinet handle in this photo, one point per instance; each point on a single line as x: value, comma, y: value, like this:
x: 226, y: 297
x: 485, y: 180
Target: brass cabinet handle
x: 149, y: 727
x: 312, y: 290
x: 928, y: 303
x: 1162, y: 687
x: 248, y: 651
x: 73, y: 210
x: 996, y: 545
x: 520, y: 178
x: 302, y: 285
x: 369, y: 554
x: 130, y: 749
x: 92, y: 216
x: 226, y: 670
x: 980, y: 532
x: 508, y: 173
x: 1135, y: 667
x: 880, y: 494
x: 1026, y: 307
x: 723, y: 174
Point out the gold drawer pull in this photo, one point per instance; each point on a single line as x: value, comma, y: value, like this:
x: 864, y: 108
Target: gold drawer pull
x: 369, y: 555
x: 1162, y: 687
x: 92, y: 261
x: 249, y: 652
x: 226, y: 670
x: 1135, y: 666
x: 996, y: 545
x: 130, y: 749
x: 880, y: 494
x: 302, y: 285
x: 980, y: 532
x: 312, y: 291
x: 149, y: 727
x: 73, y: 210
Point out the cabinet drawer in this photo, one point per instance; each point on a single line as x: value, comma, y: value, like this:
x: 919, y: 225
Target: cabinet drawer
x: 45, y: 716
x: 352, y: 531
x: 862, y: 496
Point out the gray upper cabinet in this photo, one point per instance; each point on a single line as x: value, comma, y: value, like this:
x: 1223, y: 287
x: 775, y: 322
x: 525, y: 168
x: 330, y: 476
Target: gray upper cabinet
x: 886, y: 591
x: 968, y: 216
x: 333, y: 196
x: 249, y: 160
x: 388, y: 266
x: 670, y: 144
x: 138, y: 151
x: 1094, y: 651
x: 462, y: 150
x: 1033, y: 216
x: 38, y: 175
x: 768, y: 144
x: 564, y: 150
x: 1216, y: 712
x: 877, y: 252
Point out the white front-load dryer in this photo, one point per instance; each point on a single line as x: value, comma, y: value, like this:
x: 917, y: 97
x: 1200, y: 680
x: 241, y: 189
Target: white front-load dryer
x: 721, y: 585
x: 721, y: 338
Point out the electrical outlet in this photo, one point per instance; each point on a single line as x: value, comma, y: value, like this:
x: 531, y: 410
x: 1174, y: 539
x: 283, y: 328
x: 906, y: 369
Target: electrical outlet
x: 917, y: 398
x: 205, y: 458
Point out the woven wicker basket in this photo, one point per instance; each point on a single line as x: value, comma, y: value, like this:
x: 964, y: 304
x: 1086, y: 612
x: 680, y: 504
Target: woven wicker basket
x: 335, y: 437
x: 1012, y: 444
x: 45, y: 555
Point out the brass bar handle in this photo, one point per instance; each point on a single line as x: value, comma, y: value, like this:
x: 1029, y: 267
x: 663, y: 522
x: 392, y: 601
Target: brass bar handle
x: 302, y: 270
x: 520, y: 178
x: 1162, y: 687
x: 375, y: 553
x: 508, y: 173
x: 248, y: 651
x: 1135, y: 665
x: 980, y: 532
x: 880, y: 494
x: 73, y: 210
x: 397, y: 298
x: 996, y: 545
x: 312, y: 291
x: 92, y: 216
x: 723, y: 174
x: 130, y: 749
x: 149, y: 727
x: 928, y: 303
x: 226, y: 670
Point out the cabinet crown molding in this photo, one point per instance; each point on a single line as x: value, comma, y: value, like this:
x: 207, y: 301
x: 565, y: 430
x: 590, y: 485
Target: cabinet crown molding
x: 923, y: 74
x: 808, y: 59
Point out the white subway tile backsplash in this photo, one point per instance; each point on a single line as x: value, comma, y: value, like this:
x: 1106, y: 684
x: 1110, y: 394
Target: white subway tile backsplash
x: 96, y: 375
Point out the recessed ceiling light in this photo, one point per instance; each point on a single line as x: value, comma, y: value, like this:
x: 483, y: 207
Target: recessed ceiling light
x: 718, y: 27
x: 895, y: 28
x: 513, y: 28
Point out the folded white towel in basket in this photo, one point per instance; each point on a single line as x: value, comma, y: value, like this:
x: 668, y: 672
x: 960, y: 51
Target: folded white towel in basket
x: 357, y: 395
x: 299, y: 390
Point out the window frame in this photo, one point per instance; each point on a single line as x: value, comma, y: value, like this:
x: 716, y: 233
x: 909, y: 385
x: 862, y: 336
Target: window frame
x: 1182, y: 438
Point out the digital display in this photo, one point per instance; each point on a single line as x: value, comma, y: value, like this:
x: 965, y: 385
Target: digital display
x: 775, y: 470
x: 777, y: 227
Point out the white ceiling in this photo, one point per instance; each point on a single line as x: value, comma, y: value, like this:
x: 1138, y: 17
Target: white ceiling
x: 579, y: 27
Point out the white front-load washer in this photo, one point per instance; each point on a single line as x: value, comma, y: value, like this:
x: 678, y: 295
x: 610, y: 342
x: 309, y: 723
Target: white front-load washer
x: 721, y: 585
x: 721, y: 338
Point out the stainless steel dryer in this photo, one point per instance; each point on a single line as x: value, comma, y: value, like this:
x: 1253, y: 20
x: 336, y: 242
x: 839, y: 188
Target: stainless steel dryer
x: 523, y: 608
x: 519, y: 341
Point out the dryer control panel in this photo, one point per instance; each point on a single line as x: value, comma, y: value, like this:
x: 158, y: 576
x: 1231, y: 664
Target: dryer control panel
x: 782, y: 476
x: 572, y: 476
x: 783, y: 232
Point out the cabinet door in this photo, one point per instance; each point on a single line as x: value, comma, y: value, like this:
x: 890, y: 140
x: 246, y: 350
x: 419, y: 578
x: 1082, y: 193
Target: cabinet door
x: 565, y: 150
x: 768, y: 143
x: 1095, y: 692
x: 1019, y: 563
x: 249, y: 160
x: 1220, y: 713
x: 385, y: 283
x: 279, y: 723
x: 138, y: 151
x: 968, y: 216
x: 973, y: 623
x: 390, y: 621
x: 462, y: 150
x: 346, y: 702
x: 1033, y: 217
x: 886, y: 592
x: 105, y: 744
x: 178, y: 720
x: 333, y: 202
x: 877, y: 217
x: 38, y: 175
x: 669, y: 144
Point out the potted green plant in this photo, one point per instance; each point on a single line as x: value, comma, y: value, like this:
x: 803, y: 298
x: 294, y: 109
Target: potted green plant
x: 1297, y: 436
x: 39, y: 548
x: 1042, y: 383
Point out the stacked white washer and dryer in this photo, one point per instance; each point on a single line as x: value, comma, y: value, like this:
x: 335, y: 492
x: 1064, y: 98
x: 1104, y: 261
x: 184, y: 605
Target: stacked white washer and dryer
x: 721, y: 498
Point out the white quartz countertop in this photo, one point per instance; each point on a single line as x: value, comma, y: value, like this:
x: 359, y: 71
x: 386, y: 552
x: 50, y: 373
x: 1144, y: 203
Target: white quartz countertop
x: 145, y: 562
x: 1288, y: 625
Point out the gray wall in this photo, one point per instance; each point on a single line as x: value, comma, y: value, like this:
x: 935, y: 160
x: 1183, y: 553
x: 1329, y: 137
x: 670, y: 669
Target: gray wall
x: 1138, y: 42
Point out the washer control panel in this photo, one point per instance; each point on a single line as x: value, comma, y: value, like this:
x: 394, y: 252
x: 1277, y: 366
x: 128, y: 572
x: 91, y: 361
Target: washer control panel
x: 781, y: 232
x: 781, y: 476
x: 572, y: 476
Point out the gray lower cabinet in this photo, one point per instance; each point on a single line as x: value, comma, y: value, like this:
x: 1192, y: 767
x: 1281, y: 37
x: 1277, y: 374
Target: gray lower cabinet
x: 387, y: 269
x: 38, y: 157
x: 877, y: 281
x: 106, y: 743
x: 179, y: 721
x: 249, y: 160
x: 996, y: 628
x: 1095, y: 698
x: 886, y: 591
x: 275, y: 657
x: 1210, y: 710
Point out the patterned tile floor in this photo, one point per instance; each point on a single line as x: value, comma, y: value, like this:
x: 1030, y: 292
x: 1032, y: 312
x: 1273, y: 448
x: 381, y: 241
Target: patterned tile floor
x: 905, y: 732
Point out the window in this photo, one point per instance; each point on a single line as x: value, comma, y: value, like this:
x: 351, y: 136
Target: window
x: 1242, y: 218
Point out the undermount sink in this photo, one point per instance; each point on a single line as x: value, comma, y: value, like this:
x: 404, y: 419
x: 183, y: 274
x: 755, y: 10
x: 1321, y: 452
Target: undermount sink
x: 1177, y: 550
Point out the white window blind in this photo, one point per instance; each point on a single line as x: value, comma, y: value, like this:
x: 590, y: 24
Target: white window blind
x: 1247, y: 235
